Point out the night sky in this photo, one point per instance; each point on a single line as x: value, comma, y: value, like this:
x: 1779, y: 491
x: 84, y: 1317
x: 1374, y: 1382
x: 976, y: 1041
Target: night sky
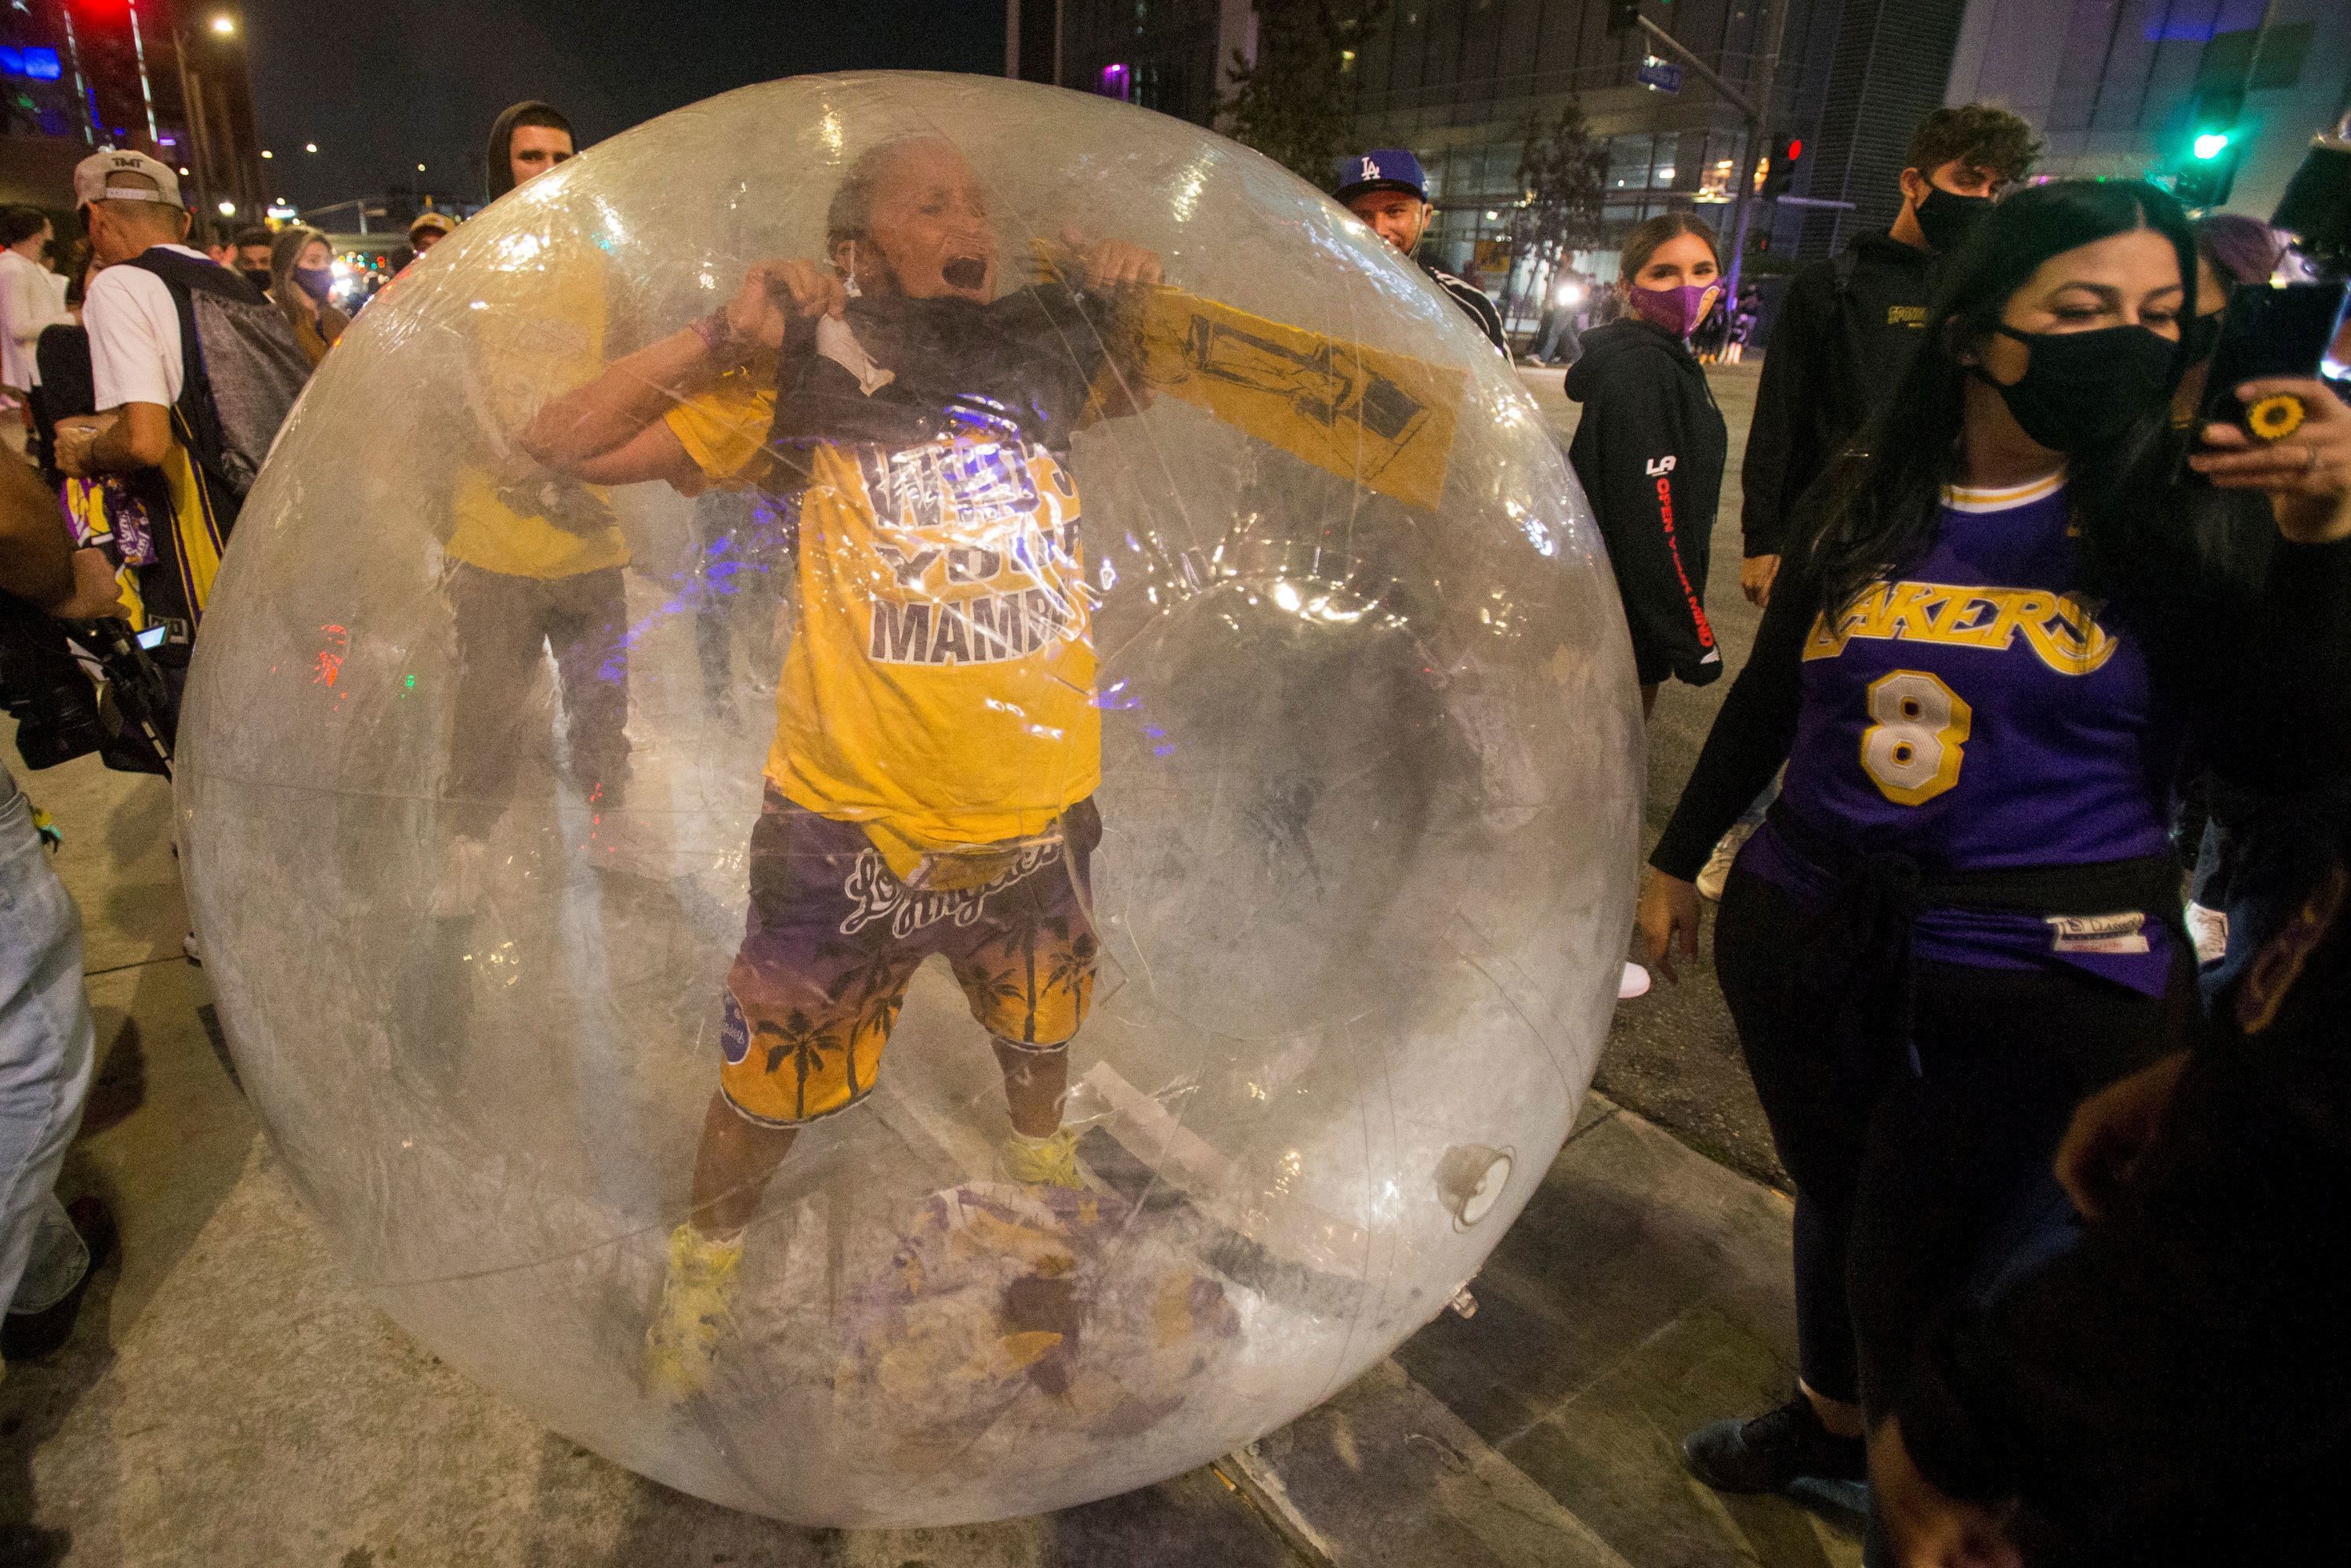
x: 384, y: 84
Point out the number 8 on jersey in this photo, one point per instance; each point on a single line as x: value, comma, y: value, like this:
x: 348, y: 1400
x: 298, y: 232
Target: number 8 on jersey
x: 1912, y: 749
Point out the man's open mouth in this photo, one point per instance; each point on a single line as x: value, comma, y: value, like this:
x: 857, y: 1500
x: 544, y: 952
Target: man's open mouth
x: 965, y: 272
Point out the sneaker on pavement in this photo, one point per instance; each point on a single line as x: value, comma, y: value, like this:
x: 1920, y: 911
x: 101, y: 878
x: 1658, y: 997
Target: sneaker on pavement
x: 1716, y: 869
x: 1770, y: 1451
x: 697, y: 1301
x: 1632, y: 982
x: 28, y: 1336
x: 1050, y: 1161
x: 2208, y: 929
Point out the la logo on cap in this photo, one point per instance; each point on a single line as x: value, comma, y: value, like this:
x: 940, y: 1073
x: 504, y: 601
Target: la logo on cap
x: 1371, y: 169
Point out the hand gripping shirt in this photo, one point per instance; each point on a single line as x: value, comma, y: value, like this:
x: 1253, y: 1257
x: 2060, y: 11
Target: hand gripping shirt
x: 1983, y: 714
x: 538, y: 328
x: 941, y: 688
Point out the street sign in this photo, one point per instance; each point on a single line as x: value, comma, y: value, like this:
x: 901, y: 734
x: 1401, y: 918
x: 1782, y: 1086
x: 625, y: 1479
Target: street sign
x: 1659, y: 75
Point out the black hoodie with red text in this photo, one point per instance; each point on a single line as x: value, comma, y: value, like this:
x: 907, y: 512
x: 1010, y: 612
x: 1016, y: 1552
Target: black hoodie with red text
x: 1649, y: 451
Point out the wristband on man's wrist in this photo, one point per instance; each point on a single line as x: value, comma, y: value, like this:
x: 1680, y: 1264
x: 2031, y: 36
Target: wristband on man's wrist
x: 718, y: 335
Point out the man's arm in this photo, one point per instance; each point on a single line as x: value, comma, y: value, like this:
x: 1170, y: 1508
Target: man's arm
x: 36, y: 557
x: 611, y: 410
x: 119, y: 441
x: 134, y: 356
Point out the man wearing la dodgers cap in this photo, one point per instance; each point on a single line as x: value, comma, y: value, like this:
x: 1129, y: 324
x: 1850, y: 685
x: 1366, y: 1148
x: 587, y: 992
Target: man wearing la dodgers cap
x: 1386, y: 189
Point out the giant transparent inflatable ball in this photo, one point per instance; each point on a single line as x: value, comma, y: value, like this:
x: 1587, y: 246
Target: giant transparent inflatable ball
x: 913, y: 798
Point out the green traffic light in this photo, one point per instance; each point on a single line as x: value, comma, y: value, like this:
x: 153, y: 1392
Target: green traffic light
x: 2211, y: 144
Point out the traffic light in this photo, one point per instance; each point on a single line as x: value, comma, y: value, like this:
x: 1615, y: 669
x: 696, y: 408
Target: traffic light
x: 1780, y: 170
x: 2204, y: 176
x: 1623, y: 17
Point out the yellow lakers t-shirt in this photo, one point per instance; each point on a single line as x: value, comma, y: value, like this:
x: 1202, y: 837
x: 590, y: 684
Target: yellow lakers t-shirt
x: 941, y: 689
x: 538, y: 328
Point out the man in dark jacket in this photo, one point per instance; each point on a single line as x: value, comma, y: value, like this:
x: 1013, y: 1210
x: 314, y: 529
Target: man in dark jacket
x: 1387, y: 190
x: 527, y: 140
x: 1848, y: 326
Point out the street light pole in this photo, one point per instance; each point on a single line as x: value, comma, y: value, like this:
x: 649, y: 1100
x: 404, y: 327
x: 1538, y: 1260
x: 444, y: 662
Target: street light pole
x: 1758, y: 118
x: 191, y: 110
x: 1754, y: 113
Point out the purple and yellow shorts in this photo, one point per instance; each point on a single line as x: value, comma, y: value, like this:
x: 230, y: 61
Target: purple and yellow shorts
x: 834, y: 938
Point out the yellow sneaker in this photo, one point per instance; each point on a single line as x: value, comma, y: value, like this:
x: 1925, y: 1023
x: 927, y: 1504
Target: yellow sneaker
x: 1049, y: 1160
x: 697, y: 1301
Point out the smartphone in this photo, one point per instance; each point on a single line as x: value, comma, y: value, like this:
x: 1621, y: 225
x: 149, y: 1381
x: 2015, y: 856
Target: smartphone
x: 154, y: 637
x: 2269, y: 331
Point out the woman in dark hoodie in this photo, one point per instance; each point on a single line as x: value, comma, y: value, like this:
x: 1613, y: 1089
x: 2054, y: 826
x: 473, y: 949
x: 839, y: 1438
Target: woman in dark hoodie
x: 1650, y: 448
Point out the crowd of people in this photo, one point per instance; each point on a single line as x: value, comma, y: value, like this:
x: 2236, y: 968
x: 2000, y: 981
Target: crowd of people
x: 2017, y: 600
x: 2062, y: 1286
x: 152, y: 377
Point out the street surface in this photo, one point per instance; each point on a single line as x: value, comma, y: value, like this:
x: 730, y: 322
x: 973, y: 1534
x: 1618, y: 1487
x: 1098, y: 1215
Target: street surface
x: 1672, y: 1056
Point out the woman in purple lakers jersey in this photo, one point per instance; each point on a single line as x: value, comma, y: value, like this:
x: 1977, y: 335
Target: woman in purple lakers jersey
x: 2006, y: 618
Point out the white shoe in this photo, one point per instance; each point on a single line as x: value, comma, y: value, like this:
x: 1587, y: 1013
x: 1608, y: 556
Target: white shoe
x: 1634, y: 982
x: 188, y: 947
x: 460, y: 886
x: 2209, y: 930
x: 1716, y: 869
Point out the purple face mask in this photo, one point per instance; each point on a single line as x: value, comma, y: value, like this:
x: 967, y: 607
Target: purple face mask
x: 1677, y: 311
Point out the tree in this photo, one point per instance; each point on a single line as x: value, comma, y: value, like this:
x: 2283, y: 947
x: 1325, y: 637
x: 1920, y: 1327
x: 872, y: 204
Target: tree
x: 1563, y: 173
x: 1296, y: 102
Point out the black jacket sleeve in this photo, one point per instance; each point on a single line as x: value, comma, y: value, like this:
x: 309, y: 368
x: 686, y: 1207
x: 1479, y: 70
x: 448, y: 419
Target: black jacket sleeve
x: 1782, y: 455
x: 1627, y: 453
x: 1750, y: 737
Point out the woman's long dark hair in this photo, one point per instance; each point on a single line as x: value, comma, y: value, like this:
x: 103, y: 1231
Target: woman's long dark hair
x: 1878, y: 508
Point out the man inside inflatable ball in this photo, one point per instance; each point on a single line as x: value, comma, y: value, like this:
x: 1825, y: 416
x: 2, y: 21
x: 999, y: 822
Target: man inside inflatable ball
x: 937, y: 746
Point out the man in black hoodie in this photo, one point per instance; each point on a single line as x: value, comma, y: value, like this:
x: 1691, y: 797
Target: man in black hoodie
x: 527, y: 140
x: 1848, y: 326
x: 535, y: 561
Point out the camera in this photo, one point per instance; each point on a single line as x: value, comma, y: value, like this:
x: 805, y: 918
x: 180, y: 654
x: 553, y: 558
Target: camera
x: 44, y: 689
x: 128, y: 714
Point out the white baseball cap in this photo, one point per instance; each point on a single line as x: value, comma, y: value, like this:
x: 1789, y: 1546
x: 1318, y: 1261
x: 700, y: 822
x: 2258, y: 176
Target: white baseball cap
x: 92, y: 174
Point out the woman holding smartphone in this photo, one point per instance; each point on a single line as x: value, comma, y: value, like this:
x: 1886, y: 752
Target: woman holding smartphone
x: 2005, y: 619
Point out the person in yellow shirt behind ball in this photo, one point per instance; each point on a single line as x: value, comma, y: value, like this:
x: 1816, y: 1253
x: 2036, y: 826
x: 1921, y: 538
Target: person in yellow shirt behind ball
x: 534, y: 558
x: 938, y: 744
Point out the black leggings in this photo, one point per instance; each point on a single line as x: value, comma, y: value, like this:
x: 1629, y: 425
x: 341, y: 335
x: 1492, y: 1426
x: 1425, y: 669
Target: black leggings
x: 2007, y: 1055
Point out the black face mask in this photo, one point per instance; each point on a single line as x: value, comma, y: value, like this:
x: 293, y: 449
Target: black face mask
x: 2084, y: 390
x: 1948, y: 220
x: 257, y: 275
